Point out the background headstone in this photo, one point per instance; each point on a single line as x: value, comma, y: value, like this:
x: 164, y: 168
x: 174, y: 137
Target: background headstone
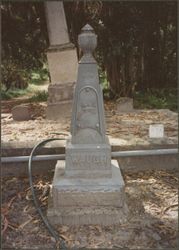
x: 56, y: 23
x: 125, y: 104
x: 21, y: 113
x: 62, y: 62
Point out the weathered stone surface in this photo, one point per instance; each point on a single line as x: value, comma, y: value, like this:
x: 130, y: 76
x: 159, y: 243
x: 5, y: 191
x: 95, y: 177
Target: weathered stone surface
x: 21, y: 113
x: 56, y: 111
x: 88, y: 216
x: 90, y: 190
x: 88, y: 153
x: 62, y: 66
x: 88, y: 111
x: 125, y: 104
x: 56, y: 22
x: 88, y: 161
x: 60, y: 92
x: 62, y: 83
x: 62, y: 61
x: 79, y: 201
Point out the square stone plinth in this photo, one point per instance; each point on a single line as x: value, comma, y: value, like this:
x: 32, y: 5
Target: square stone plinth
x: 87, y: 201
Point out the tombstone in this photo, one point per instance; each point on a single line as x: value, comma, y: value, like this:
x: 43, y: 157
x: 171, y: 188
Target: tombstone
x: 61, y: 57
x: 21, y: 113
x: 88, y: 187
x: 125, y: 104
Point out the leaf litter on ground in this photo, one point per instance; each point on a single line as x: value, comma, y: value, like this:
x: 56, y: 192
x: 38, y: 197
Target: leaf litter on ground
x: 150, y: 196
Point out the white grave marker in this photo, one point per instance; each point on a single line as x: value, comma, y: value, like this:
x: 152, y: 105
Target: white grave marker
x: 156, y: 131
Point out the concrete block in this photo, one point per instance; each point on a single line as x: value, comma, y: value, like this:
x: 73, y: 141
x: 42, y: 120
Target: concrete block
x: 82, y: 202
x: 104, y: 216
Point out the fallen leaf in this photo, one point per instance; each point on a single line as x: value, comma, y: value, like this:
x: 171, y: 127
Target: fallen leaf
x: 171, y: 206
x: 25, y: 223
x: 6, y: 223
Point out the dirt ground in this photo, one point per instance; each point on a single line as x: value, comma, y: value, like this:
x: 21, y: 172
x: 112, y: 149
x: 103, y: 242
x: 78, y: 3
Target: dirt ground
x: 131, y: 128
x: 151, y: 196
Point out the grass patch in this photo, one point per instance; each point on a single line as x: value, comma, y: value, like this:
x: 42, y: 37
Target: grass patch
x: 103, y: 80
x: 38, y: 76
x: 156, y: 99
x: 13, y: 93
x: 39, y: 96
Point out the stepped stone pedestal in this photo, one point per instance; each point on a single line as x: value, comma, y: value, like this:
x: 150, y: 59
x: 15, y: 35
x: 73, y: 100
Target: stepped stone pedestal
x: 88, y: 187
x: 82, y: 201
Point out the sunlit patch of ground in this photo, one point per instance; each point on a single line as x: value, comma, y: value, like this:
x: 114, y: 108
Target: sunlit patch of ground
x: 151, y: 196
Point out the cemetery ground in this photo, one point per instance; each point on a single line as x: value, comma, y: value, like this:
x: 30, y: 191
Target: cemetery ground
x: 152, y: 221
x: 151, y: 195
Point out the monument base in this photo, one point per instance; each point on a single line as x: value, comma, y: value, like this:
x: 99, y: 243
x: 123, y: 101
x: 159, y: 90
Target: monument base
x: 87, y: 201
x: 59, y: 100
x: 57, y: 110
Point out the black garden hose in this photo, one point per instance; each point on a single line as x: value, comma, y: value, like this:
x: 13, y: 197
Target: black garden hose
x: 60, y: 244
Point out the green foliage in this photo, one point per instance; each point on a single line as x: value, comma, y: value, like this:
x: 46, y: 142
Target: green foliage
x: 24, y: 41
x: 38, y: 76
x: 136, y: 41
x: 158, y: 99
x: 5, y: 95
x: 13, y: 93
x: 16, y: 83
x: 12, y: 76
x: 103, y: 80
x: 24, y: 33
x: 39, y: 96
x: 136, y: 46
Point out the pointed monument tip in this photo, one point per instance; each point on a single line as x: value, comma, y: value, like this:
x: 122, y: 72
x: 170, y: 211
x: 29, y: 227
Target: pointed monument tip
x: 87, y: 27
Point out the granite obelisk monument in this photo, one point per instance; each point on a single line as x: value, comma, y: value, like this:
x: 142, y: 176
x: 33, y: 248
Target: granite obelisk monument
x: 88, y: 187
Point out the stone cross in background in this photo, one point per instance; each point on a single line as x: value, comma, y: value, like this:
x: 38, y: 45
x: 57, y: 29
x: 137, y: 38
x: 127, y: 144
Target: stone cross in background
x: 88, y: 187
x: 62, y: 62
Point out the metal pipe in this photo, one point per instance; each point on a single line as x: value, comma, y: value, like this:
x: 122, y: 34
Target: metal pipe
x: 35, y: 158
x: 114, y: 155
x: 144, y: 152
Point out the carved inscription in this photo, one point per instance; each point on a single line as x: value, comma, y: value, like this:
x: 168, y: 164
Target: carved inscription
x: 87, y: 110
x: 89, y: 161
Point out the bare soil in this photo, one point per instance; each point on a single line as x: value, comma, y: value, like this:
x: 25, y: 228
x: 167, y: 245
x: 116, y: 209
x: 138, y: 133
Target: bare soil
x: 151, y: 196
x: 131, y: 128
x: 152, y: 222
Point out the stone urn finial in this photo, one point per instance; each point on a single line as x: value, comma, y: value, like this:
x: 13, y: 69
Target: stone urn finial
x: 87, y: 41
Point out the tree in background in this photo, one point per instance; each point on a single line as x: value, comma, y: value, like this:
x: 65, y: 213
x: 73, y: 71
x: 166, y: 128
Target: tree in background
x: 24, y: 41
x: 136, y: 40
